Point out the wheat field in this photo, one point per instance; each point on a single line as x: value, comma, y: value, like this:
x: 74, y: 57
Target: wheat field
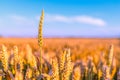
x: 59, y: 58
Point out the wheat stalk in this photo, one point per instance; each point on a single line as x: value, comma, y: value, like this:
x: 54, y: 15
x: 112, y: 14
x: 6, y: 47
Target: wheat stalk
x: 40, y: 40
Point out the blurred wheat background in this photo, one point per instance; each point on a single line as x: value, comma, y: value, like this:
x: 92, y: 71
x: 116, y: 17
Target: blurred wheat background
x: 59, y: 59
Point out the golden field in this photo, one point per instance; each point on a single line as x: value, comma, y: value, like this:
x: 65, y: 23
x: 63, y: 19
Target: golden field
x: 81, y: 48
x: 59, y: 58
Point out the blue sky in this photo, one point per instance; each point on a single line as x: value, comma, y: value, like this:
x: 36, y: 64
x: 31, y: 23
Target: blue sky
x: 63, y: 18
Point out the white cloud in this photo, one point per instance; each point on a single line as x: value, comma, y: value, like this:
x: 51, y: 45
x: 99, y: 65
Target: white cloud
x: 75, y: 19
x: 90, y: 20
x: 58, y: 18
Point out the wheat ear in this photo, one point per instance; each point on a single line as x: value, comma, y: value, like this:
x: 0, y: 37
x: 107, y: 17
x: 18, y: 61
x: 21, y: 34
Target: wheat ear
x: 110, y: 56
x: 40, y: 39
x: 76, y: 75
x: 55, y: 70
x: 61, y: 63
x: 15, y: 51
x: 4, y: 58
x: 67, y: 66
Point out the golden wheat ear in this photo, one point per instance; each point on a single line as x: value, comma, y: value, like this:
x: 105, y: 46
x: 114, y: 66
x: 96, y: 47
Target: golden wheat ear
x: 40, y: 36
x: 4, y: 58
x: 55, y: 70
x: 16, y: 60
x: 76, y: 74
x: 110, y: 56
x: 67, y: 66
x: 40, y: 40
x: 61, y: 63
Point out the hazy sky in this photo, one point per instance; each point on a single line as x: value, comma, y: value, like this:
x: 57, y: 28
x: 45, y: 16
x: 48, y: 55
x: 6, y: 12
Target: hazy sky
x: 86, y: 18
